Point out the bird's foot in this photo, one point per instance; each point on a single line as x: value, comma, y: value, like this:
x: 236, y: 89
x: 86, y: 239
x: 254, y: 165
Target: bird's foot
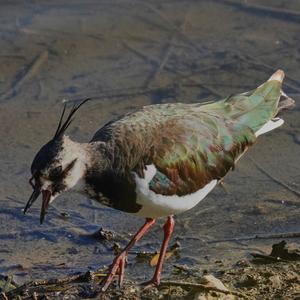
x: 154, y: 282
x: 117, y: 268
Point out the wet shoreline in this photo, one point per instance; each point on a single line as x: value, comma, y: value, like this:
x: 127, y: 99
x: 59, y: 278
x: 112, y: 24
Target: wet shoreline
x: 127, y: 55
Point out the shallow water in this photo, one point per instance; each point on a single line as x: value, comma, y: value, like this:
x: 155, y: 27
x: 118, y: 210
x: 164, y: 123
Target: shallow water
x: 126, y: 54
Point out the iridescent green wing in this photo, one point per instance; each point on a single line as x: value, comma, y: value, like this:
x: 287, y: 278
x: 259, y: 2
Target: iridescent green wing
x: 252, y: 109
x: 197, y: 149
x: 208, y: 141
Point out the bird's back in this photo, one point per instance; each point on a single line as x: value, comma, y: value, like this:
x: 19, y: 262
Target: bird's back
x: 190, y: 145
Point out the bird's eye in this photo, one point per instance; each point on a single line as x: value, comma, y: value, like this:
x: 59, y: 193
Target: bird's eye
x: 56, y: 172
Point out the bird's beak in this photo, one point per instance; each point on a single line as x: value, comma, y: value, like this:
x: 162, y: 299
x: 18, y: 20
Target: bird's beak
x: 46, y: 200
x: 35, y: 194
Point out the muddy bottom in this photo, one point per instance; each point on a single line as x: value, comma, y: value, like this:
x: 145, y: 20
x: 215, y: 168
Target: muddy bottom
x: 265, y: 276
x: 126, y: 54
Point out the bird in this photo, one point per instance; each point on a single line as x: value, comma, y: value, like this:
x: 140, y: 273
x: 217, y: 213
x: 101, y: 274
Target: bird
x: 157, y: 161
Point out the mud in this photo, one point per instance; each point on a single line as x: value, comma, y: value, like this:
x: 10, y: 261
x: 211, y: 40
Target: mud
x: 266, y: 276
x: 126, y: 54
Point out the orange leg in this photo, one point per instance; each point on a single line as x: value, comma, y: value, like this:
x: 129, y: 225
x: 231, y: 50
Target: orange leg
x: 118, y: 265
x: 168, y: 230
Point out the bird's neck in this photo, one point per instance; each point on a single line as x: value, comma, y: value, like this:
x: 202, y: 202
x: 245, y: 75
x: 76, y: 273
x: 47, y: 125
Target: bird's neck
x: 89, y: 156
x: 75, y: 150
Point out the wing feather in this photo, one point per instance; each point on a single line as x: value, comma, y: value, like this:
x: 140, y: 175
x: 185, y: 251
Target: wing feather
x: 205, y: 148
x: 189, y: 144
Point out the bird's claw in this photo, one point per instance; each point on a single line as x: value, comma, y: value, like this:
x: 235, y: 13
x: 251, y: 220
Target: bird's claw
x: 153, y: 283
x: 117, y: 268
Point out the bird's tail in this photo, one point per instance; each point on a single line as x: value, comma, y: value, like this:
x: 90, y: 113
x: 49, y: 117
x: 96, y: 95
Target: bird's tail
x: 284, y: 102
x: 256, y: 108
x: 274, y: 100
x: 270, y: 94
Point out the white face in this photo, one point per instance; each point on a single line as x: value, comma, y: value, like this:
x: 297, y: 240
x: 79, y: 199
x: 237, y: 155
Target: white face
x: 58, y: 166
x: 73, y: 180
x: 72, y: 159
x: 66, y: 170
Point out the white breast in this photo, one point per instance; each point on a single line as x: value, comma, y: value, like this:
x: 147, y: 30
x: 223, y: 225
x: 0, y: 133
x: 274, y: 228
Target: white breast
x: 156, y: 205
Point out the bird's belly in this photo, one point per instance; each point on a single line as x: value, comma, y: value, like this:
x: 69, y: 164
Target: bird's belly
x: 157, y: 205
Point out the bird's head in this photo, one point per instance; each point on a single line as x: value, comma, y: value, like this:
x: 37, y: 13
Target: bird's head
x: 58, y: 166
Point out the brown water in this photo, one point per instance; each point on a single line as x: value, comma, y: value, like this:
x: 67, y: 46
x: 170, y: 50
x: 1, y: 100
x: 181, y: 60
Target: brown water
x: 126, y: 54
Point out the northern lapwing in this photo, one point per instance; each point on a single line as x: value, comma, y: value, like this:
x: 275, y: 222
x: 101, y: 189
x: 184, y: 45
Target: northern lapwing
x: 158, y: 161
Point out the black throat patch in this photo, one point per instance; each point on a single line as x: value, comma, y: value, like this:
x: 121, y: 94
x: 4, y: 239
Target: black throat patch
x: 118, y: 190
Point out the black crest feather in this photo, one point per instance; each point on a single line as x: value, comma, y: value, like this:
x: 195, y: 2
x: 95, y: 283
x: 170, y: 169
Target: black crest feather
x: 62, y: 126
